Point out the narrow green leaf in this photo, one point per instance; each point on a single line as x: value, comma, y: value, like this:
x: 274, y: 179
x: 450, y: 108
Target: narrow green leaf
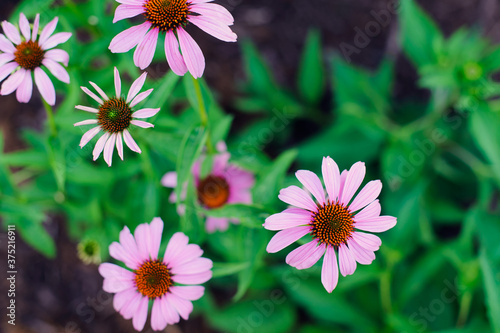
x: 311, y: 78
x: 228, y: 268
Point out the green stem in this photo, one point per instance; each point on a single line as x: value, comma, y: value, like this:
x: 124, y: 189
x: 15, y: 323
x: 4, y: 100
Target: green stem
x: 465, y: 303
x: 385, y: 291
x: 203, y: 113
x: 50, y: 119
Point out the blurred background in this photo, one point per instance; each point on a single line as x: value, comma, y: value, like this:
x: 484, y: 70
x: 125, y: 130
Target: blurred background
x: 408, y: 88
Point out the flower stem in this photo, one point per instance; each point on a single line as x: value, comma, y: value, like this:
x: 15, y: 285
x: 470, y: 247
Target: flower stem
x: 385, y: 291
x: 465, y: 304
x: 50, y: 119
x: 203, y: 113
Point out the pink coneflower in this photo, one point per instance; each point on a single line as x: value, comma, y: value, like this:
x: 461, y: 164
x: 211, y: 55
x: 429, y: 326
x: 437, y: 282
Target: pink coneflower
x: 225, y: 184
x: 171, y: 18
x: 171, y: 282
x: 24, y: 54
x: 334, y: 224
x: 114, y: 116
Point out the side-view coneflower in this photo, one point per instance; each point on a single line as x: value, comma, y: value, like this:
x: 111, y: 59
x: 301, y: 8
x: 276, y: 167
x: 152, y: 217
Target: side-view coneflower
x: 171, y: 19
x: 335, y: 221
x: 114, y: 116
x: 170, y: 282
x: 24, y: 54
x: 226, y: 183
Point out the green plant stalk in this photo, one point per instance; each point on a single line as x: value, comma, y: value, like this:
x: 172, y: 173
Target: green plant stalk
x: 50, y: 119
x: 465, y: 305
x: 385, y: 290
x: 51, y: 142
x: 203, y: 113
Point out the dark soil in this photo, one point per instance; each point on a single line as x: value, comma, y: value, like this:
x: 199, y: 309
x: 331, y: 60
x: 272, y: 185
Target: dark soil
x: 64, y: 295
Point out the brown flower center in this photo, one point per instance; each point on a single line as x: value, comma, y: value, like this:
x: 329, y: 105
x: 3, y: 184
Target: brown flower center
x: 213, y: 191
x: 167, y: 14
x: 29, y: 55
x: 332, y: 224
x: 153, y: 279
x: 114, y: 115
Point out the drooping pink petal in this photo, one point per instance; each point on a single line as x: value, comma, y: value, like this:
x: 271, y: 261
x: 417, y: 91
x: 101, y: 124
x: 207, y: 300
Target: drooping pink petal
x: 127, y: 11
x: 129, y: 141
x: 136, y: 87
x: 192, y: 54
x: 92, y: 95
x: 23, y: 93
x: 127, y: 39
x: 109, y: 148
x: 216, y: 223
x: 124, y: 297
x: 313, y: 258
x: 145, y: 113
x: 24, y: 25
x: 36, y: 26
x: 301, y: 253
x: 45, y: 86
x: 99, y: 91
x: 183, y: 306
x: 372, y: 210
x: 168, y: 310
x: 286, y: 220
x: 169, y: 179
x: 354, y: 178
x: 118, y: 83
x: 11, y: 32
x: 368, y: 241
x: 89, y: 135
x: 129, y: 309
x: 139, y: 98
x: 99, y: 146
x: 215, y: 28
x: 119, y: 145
x: 111, y: 271
x: 7, y: 69
x: 331, y: 177
x: 375, y: 224
x: 5, y: 58
x: 145, y: 51
x: 13, y: 82
x: 363, y: 256
x: 57, y: 70
x: 191, y: 293
x: 6, y: 45
x: 174, y: 57
x: 47, y: 30
x: 112, y: 285
x: 330, y: 270
x: 158, y: 320
x: 297, y: 197
x: 192, y: 278
x: 141, y: 314
x: 86, y: 122
x: 347, y: 264
x: 55, y: 40
x: 214, y: 11
x: 312, y: 184
x: 366, y: 196
x: 175, y: 246
x: 286, y: 237
x: 58, y: 55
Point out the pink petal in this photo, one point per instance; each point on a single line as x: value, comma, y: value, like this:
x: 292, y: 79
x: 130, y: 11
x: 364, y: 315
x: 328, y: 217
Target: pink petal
x: 372, y: 210
x: 175, y: 246
x: 112, y: 285
x: 109, y: 148
x: 119, y: 145
x: 286, y: 220
x: 86, y: 122
x: 169, y: 179
x: 141, y: 314
x: 7, y: 69
x: 354, y: 178
x: 111, y: 271
x: 124, y: 297
x: 24, y: 25
x: 58, y: 55
x: 127, y: 11
x: 99, y: 146
x: 136, y: 87
x: 347, y: 263
x: 5, y: 58
x: 343, y: 177
x: 174, y: 57
x: 45, y: 86
x: 296, y: 196
x: 331, y: 177
x: 214, y: 11
x: 13, y: 82
x: 367, y: 241
x: 330, y: 271
x: 156, y: 229
x: 215, y: 28
x: 145, y: 51
x: 142, y: 237
x: 196, y: 266
x: 57, y: 70
x: 36, y: 26
x: 99, y: 91
x: 301, y: 253
x: 129, y: 309
x: 168, y: 310
x: 313, y: 258
x: 25, y: 89
x: 139, y: 98
x: 188, y: 254
x: 192, y: 278
x: 183, y: 306
x: 91, y: 94
x: 375, y: 224
x: 6, y: 45
x: 145, y: 113
x: 129, y: 141
x: 363, y: 256
x: 86, y: 108
x: 11, y: 32
x: 89, y: 135
x: 127, y: 39
x: 191, y: 52
x: 286, y: 237
x: 118, y: 83
x: 47, y: 31
x: 158, y: 320
x: 216, y: 223
x: 312, y: 183
x: 55, y: 40
x: 366, y: 196
x: 191, y: 293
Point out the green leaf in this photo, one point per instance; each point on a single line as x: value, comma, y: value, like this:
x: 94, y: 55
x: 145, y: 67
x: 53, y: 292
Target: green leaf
x: 491, y: 282
x: 163, y: 89
x: 30, y: 8
x: 259, y: 74
x: 248, y: 215
x: 228, y: 268
x: 35, y: 235
x: 26, y: 158
x: 311, y: 78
